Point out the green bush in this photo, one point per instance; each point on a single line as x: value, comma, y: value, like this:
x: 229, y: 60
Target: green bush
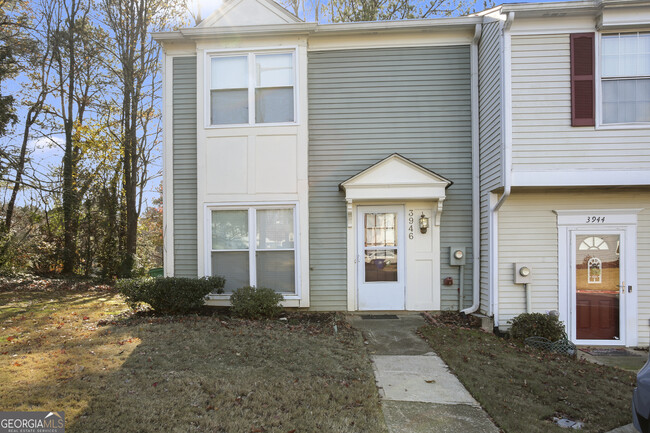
x: 169, y: 295
x: 255, y: 303
x: 537, y: 325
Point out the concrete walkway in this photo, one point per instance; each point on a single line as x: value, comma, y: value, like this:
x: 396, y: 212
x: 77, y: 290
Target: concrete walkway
x: 419, y: 393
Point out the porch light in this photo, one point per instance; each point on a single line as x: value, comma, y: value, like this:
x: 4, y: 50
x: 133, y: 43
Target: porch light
x: 424, y: 223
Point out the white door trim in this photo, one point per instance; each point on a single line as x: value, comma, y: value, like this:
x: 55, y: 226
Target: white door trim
x: 400, y: 303
x: 623, y: 221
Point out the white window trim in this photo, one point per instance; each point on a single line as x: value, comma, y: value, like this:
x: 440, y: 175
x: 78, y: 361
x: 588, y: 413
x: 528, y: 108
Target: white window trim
x: 599, y: 90
x: 250, y: 53
x: 209, y: 207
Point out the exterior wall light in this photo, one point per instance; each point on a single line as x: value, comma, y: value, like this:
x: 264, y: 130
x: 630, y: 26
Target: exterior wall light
x: 424, y: 223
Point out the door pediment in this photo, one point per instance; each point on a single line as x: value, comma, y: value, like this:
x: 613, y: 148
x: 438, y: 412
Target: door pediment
x: 395, y: 178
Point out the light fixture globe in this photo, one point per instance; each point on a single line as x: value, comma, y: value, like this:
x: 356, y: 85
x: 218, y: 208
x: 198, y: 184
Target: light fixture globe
x: 424, y: 223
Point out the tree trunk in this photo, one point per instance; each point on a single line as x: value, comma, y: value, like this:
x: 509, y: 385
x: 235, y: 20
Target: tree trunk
x: 69, y: 194
x: 20, y: 169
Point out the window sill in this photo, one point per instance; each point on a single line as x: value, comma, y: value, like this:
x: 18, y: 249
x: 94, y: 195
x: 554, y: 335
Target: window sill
x: 622, y: 126
x: 226, y: 296
x: 248, y: 125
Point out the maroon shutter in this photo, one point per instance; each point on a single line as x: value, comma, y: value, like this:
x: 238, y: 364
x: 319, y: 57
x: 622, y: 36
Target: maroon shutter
x: 582, y: 79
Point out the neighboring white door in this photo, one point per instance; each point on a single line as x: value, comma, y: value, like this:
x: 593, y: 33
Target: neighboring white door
x: 380, y: 257
x: 598, y: 286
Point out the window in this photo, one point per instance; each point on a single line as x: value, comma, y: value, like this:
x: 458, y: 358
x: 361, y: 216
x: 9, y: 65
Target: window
x: 255, y: 246
x: 625, y: 78
x: 255, y: 88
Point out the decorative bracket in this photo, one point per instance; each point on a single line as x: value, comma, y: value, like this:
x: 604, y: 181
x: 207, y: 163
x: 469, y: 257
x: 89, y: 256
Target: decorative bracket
x: 439, y: 211
x: 349, y: 212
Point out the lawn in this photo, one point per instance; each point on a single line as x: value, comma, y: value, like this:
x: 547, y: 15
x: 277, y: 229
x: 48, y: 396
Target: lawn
x: 72, y: 347
x: 522, y: 389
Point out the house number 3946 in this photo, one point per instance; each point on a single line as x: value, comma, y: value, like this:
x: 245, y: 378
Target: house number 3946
x: 595, y: 219
x: 411, y: 221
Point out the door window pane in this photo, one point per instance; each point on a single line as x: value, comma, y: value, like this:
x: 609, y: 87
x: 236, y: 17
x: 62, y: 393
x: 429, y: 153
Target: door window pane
x: 275, y: 229
x: 233, y: 266
x: 597, y: 279
x: 229, y: 72
x: 380, y: 229
x: 229, y: 230
x: 381, y: 265
x: 228, y: 107
x: 276, y: 270
x: 274, y: 105
x: 274, y: 70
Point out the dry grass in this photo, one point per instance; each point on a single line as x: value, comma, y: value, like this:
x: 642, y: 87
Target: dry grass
x: 192, y: 373
x: 523, y: 389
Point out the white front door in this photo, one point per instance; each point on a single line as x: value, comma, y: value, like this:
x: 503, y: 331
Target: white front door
x: 380, y: 257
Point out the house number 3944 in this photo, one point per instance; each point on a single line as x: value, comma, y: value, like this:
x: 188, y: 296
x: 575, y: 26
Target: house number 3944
x: 411, y: 221
x: 595, y: 219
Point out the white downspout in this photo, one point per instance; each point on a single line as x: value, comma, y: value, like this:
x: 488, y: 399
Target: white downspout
x: 507, y: 112
x: 506, y: 134
x: 476, y: 199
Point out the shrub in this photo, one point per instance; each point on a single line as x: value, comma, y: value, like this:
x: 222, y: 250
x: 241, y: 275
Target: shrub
x: 254, y: 303
x: 170, y: 294
x: 537, y: 325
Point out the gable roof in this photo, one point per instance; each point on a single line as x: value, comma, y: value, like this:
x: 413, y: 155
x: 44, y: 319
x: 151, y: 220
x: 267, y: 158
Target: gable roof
x: 395, y: 177
x: 234, y: 13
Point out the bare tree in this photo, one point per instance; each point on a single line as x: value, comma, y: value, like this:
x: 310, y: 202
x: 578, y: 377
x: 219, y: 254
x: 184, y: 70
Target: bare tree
x: 37, y: 67
x: 135, y: 64
x: 376, y: 10
x: 77, y: 50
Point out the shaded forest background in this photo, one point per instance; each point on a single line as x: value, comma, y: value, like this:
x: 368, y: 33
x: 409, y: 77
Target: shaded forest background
x: 83, y: 78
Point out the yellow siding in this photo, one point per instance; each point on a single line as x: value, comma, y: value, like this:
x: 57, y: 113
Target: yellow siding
x: 542, y: 136
x: 528, y: 233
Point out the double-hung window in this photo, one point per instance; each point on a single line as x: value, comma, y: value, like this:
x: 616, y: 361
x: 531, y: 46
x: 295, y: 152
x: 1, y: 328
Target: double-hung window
x: 255, y: 246
x: 625, y: 78
x: 252, y: 89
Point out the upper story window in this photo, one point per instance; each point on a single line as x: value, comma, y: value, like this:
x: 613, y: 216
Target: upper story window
x: 625, y: 78
x: 252, y: 89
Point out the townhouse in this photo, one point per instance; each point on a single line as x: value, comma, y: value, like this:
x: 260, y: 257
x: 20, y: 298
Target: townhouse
x: 454, y: 163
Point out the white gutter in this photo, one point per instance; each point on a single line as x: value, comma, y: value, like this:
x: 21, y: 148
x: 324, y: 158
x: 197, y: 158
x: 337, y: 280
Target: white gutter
x: 476, y: 199
x: 506, y: 134
x: 428, y: 25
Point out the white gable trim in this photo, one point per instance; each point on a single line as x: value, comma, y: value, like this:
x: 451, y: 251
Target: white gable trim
x: 228, y: 6
x: 395, y: 178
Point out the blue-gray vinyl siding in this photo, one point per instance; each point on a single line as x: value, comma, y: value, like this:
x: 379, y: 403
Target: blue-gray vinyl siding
x: 490, y: 138
x: 365, y: 105
x: 184, y: 166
